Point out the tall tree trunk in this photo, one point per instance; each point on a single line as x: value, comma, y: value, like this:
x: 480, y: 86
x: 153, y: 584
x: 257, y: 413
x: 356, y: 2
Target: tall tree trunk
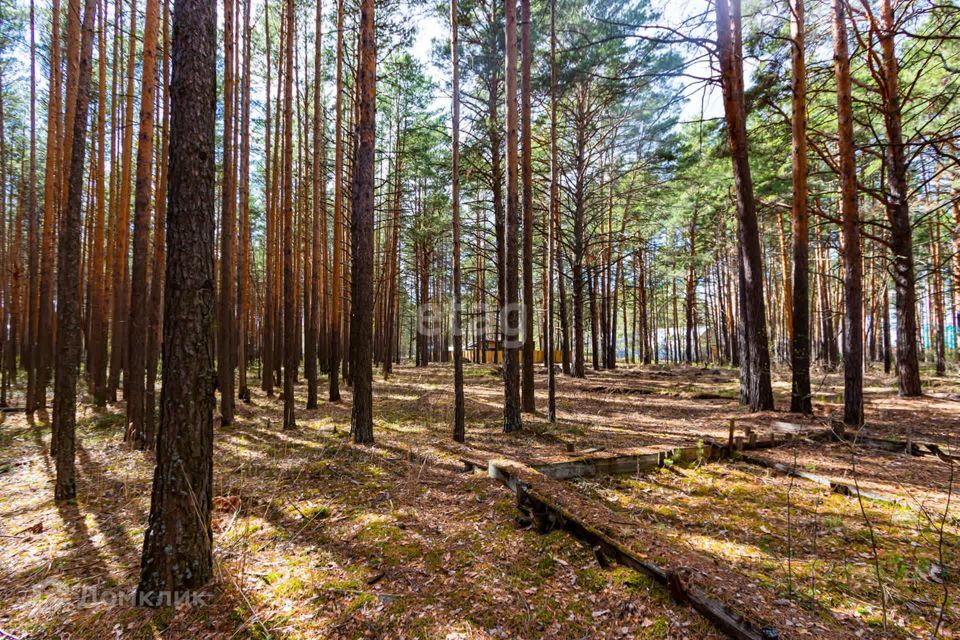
x: 276, y: 213
x: 136, y: 345
x: 54, y: 176
x: 14, y: 233
x: 10, y: 268
x: 887, y: 343
x: 313, y: 330
x: 269, y: 328
x: 178, y: 543
x: 731, y: 65
x: 243, y: 275
x: 228, y: 233
x: 32, y: 177
x: 393, y: 252
x: 592, y: 294
x: 323, y: 340
x: 579, y: 249
x: 690, y: 302
x: 800, y: 396
x: 955, y: 232
x: 743, y: 347
x: 828, y: 336
x: 528, y: 402
x: 850, y: 222
x: 43, y: 323
x: 553, y: 214
x: 337, y: 285
x: 118, y: 344
x: 386, y: 296
x: 645, y: 342
x: 459, y: 429
x: 289, y: 317
x: 97, y: 345
x: 52, y: 216
x: 937, y: 322
x: 898, y: 210
x: 676, y: 317
x: 495, y: 141
x: 154, y: 332
x: 68, y: 277
x: 562, y: 303
x: 361, y: 236
x: 785, y: 263
x: 511, y: 316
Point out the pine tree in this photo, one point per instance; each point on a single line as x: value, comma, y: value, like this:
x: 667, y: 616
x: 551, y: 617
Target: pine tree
x: 800, y: 396
x: 290, y: 359
x: 136, y: 346
x: 849, y: 215
x: 509, y: 312
x: 228, y: 233
x: 361, y: 232
x: 526, y: 170
x: 459, y: 429
x: 68, y: 276
x: 178, y: 542
x: 757, y: 355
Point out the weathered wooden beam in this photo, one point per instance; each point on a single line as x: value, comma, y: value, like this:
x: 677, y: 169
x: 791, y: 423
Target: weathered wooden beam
x: 605, y: 464
x: 781, y: 426
x: 842, y: 488
x: 631, y: 462
x: 776, y: 438
x: 894, y: 445
x: 548, y: 514
x: 12, y: 409
x: 472, y: 459
x: 472, y: 464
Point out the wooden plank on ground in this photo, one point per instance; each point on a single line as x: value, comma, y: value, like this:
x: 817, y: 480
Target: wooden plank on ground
x: 472, y: 459
x: 624, y: 462
x: 842, y: 488
x: 549, y: 513
x: 781, y: 426
x: 605, y: 463
x: 894, y: 445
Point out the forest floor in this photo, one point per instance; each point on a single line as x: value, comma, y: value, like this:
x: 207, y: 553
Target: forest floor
x: 317, y: 537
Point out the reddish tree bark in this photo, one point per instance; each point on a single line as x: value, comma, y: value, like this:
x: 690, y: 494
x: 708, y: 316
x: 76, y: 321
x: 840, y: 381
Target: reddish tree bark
x: 752, y: 311
x: 290, y: 359
x: 337, y: 284
x: 850, y: 227
x: 68, y: 277
x: 178, y: 543
x: 527, y: 399
x: 510, y: 313
x: 136, y: 345
x: 898, y: 209
x: 266, y: 347
x: 552, y: 217
x: 361, y: 233
x: 155, y: 320
x: 228, y: 231
x: 459, y: 429
x: 319, y: 175
x: 243, y: 275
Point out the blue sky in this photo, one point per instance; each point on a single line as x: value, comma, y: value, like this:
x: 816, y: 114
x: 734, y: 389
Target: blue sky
x: 431, y: 28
